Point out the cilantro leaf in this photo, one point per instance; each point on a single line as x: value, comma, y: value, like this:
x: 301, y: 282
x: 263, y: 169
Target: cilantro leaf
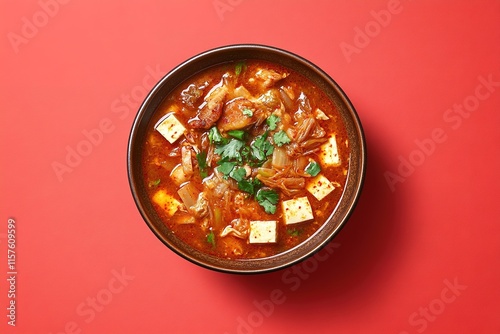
x: 261, y: 148
x: 238, y: 173
x: 267, y: 198
x: 281, y: 138
x: 272, y: 121
x: 226, y: 167
x: 246, y: 186
x: 231, y: 150
x: 313, y: 168
x: 293, y: 233
x: 215, y: 137
x: 249, y: 186
x: 245, y: 152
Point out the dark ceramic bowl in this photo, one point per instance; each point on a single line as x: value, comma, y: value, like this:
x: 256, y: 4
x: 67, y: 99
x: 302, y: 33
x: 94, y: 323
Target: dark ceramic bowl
x: 216, y: 56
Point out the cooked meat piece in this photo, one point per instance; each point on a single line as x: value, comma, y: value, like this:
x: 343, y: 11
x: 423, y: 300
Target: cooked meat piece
x: 237, y: 114
x: 210, y: 110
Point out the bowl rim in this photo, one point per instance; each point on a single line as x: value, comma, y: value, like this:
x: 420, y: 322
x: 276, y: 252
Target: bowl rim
x: 219, y: 55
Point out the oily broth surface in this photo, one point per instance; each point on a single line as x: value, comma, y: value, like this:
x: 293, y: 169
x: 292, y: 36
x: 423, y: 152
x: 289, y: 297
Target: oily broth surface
x: 157, y: 165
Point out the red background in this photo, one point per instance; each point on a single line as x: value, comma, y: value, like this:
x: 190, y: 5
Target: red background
x: 420, y: 254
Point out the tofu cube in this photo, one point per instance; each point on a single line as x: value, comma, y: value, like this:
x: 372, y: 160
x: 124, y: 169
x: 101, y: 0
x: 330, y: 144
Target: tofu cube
x: 320, y: 187
x: 297, y: 210
x: 262, y: 232
x: 329, y: 154
x: 167, y: 202
x: 170, y: 128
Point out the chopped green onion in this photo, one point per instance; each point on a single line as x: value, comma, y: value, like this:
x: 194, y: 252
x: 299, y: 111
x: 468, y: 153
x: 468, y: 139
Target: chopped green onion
x: 238, y: 134
x: 154, y: 183
x: 247, y: 112
x: 202, y: 163
x: 293, y: 233
x: 239, y: 67
x: 313, y: 168
x: 218, y: 217
x: 211, y: 238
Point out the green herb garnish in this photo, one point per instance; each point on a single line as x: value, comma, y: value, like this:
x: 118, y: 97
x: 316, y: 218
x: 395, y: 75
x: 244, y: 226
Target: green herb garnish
x: 238, y: 134
x: 238, y: 173
x: 247, y: 112
x: 272, y: 122
x: 267, y: 198
x: 154, y: 183
x: 240, y: 67
x: 261, y: 148
x: 202, y: 163
x: 231, y: 150
x: 215, y: 137
x: 249, y: 186
x: 313, y: 168
x: 211, y: 238
x: 293, y: 233
x: 281, y: 138
x: 225, y: 167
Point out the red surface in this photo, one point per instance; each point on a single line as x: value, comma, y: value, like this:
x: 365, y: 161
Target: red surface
x: 420, y: 254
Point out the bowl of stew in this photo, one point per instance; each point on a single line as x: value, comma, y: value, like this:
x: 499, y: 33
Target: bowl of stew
x: 246, y: 159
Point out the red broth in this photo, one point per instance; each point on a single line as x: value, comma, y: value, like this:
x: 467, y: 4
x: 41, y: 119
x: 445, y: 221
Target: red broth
x: 245, y: 159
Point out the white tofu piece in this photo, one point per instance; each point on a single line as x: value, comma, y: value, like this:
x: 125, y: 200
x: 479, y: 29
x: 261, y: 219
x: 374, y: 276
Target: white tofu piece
x: 170, y: 128
x: 297, y: 210
x: 320, y: 187
x: 262, y: 232
x: 167, y: 202
x: 329, y: 154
